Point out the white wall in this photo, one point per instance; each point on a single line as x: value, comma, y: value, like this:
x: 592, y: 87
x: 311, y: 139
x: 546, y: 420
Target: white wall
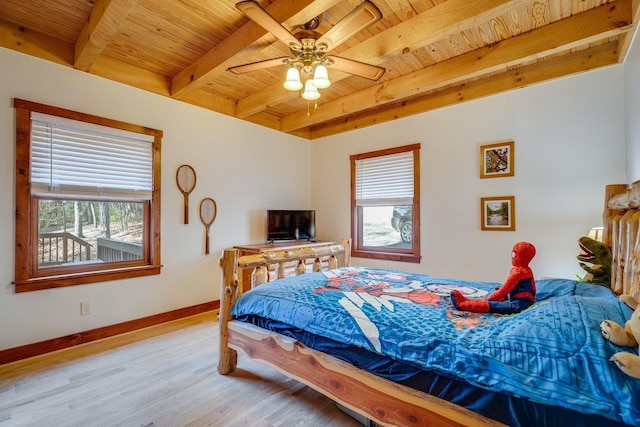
x: 632, y: 109
x: 569, y: 143
x: 245, y: 168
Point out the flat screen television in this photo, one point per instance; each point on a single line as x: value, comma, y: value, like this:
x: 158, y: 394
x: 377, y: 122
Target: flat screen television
x: 291, y: 225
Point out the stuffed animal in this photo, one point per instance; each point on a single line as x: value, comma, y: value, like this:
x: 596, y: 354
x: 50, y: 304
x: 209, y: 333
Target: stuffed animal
x: 629, y: 336
x: 516, y: 294
x: 598, y: 255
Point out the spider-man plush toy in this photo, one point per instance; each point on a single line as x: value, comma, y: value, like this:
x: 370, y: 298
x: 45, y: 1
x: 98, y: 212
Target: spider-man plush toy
x: 516, y: 294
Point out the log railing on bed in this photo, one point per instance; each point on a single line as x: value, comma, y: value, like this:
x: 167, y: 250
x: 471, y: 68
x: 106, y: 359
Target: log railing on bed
x: 376, y: 398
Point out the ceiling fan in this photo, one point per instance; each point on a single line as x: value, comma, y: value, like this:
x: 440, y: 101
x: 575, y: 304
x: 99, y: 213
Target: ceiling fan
x: 309, y: 48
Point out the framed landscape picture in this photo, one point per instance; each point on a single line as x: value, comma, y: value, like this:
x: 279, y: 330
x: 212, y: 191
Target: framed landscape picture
x: 498, y: 213
x: 496, y: 160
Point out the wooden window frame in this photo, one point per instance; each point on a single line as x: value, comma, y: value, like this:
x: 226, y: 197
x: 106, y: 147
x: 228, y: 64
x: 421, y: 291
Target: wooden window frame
x: 27, y: 275
x: 390, y: 254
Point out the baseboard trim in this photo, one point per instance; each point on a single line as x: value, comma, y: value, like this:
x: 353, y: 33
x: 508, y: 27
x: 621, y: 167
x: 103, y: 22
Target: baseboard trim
x: 42, y: 347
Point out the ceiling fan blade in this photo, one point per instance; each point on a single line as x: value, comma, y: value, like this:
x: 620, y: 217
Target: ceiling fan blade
x: 357, y: 20
x: 371, y: 72
x: 253, y: 66
x: 261, y: 17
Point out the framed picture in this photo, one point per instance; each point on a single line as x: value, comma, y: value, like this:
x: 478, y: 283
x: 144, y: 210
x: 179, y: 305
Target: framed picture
x: 498, y: 213
x: 496, y: 160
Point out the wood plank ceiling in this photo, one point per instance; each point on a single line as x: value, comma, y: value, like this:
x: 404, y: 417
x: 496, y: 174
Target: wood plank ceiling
x: 435, y: 52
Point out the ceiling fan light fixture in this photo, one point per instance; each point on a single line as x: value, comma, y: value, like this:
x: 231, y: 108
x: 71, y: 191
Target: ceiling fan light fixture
x: 292, y: 81
x: 321, y: 77
x: 310, y: 91
x: 308, y: 48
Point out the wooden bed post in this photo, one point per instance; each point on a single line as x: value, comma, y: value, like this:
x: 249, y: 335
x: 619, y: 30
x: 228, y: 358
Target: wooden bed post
x: 346, y: 257
x: 229, y: 294
x: 608, y: 214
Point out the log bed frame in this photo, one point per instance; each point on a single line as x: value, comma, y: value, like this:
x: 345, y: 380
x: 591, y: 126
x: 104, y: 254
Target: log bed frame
x: 373, y: 397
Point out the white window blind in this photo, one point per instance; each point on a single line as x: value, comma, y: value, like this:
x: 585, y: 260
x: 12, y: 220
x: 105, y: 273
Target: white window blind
x: 385, y: 180
x: 71, y: 158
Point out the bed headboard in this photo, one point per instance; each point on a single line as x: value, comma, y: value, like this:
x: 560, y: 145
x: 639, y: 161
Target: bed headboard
x: 621, y: 232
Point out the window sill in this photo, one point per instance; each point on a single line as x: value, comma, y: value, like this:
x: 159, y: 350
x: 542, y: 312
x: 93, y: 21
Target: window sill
x: 40, y: 283
x: 387, y: 256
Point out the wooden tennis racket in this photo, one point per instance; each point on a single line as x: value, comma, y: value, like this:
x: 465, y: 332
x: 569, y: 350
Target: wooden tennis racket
x: 186, y: 179
x: 208, y: 212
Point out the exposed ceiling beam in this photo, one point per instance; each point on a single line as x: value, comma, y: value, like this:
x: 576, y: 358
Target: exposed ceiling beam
x: 35, y: 44
x: 291, y: 13
x: 605, y: 21
x: 626, y: 38
x: 131, y: 75
x: 434, y: 24
x: 104, y: 21
x: 119, y: 71
x: 587, y: 59
x: 211, y: 101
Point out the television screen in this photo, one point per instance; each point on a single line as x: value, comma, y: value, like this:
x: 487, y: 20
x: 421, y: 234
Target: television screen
x: 291, y: 225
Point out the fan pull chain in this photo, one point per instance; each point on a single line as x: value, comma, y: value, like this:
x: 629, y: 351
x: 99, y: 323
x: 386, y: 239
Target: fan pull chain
x: 315, y: 107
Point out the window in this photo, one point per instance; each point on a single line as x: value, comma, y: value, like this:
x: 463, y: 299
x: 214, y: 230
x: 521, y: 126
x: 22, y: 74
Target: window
x: 385, y: 204
x: 87, y: 198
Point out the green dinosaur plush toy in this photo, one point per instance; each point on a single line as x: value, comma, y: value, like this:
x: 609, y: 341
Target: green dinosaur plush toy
x: 598, y: 255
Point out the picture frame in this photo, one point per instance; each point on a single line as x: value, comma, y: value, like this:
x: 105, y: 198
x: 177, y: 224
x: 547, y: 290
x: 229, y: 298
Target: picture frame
x: 497, y: 159
x: 498, y: 213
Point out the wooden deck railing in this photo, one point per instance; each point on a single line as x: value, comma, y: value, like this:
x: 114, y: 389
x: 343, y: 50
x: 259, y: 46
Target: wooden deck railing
x: 62, y: 248
x: 115, y: 250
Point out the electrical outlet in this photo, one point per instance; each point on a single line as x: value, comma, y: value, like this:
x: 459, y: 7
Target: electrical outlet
x: 85, y: 308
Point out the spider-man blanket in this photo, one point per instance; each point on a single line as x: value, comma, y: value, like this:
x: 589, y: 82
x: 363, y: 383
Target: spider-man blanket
x: 551, y: 353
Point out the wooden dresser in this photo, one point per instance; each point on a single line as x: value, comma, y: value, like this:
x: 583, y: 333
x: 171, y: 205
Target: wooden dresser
x: 245, y: 279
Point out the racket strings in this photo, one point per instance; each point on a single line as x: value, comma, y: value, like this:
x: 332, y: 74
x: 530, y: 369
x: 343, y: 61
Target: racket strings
x: 208, y: 211
x: 186, y: 178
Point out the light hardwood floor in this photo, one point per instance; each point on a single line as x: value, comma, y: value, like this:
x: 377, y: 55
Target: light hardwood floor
x: 160, y: 376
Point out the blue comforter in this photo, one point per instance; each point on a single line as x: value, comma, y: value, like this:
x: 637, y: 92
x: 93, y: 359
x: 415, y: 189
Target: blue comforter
x: 551, y: 353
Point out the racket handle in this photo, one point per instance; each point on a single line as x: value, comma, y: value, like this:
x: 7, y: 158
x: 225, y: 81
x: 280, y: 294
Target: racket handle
x: 186, y: 209
x: 206, y: 244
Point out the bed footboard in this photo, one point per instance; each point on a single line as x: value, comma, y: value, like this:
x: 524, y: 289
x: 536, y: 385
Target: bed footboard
x: 326, y: 256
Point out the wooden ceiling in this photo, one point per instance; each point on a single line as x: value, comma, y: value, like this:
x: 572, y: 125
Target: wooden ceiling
x: 435, y: 52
